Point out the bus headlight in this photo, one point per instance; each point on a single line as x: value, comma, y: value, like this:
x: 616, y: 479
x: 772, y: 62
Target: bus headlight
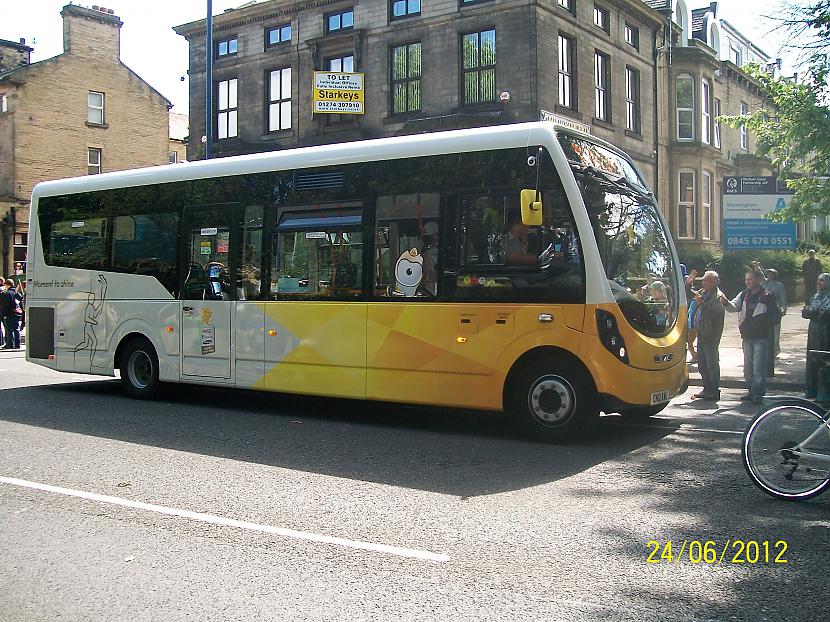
x: 609, y: 335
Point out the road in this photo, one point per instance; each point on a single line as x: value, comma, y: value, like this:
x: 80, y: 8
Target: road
x: 268, y: 507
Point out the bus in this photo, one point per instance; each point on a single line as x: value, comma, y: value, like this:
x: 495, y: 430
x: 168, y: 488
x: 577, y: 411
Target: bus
x: 523, y: 268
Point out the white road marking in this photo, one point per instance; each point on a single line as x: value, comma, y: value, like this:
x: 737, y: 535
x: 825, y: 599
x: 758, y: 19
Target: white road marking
x: 231, y: 522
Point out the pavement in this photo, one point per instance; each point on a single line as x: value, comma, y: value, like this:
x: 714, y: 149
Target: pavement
x: 790, y: 365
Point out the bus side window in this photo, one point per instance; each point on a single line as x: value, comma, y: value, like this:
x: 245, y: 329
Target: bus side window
x: 500, y: 258
x: 407, y: 245
x: 78, y: 243
x: 319, y: 255
x: 147, y: 244
x: 248, y: 278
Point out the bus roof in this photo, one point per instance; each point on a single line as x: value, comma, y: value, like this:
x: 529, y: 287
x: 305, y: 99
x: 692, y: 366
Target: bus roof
x: 414, y: 145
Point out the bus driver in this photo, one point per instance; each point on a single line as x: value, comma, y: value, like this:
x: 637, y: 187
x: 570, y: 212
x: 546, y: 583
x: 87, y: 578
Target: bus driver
x: 515, y: 243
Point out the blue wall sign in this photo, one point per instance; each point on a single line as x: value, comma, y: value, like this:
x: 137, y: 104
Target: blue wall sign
x: 746, y: 202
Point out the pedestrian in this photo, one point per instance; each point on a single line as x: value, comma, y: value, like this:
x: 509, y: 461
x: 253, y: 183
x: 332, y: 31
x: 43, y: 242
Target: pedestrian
x: 20, y: 292
x: 810, y: 270
x: 708, y: 322
x: 758, y: 312
x: 817, y: 385
x: 691, y: 335
x: 769, y: 279
x: 10, y: 311
x: 777, y: 289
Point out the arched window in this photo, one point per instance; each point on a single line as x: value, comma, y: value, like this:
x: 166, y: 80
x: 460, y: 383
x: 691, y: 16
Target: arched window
x: 683, y: 19
x: 685, y: 106
x: 713, y: 36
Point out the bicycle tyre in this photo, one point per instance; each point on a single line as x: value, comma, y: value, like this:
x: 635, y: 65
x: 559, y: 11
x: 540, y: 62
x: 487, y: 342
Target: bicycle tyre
x: 781, y: 473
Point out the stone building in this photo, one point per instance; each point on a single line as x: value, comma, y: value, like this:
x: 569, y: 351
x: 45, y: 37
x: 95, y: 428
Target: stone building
x: 177, y: 149
x: 428, y: 65
x: 650, y: 76
x: 704, y: 80
x: 80, y: 112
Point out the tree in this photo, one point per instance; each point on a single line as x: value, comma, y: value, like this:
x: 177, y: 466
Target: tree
x: 793, y: 129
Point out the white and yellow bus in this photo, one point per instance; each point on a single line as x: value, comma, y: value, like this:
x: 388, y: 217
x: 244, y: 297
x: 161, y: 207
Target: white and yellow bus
x: 523, y: 268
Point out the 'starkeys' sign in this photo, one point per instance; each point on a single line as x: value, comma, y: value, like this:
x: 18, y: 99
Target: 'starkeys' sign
x: 338, y: 93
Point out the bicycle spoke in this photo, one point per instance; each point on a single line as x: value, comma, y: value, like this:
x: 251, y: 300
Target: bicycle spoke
x: 785, y: 451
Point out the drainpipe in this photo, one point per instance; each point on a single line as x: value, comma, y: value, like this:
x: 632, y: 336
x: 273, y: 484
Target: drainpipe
x: 656, y: 55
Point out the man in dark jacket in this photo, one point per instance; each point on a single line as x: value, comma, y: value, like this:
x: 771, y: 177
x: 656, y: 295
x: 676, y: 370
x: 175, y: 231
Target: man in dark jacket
x: 758, y: 314
x: 707, y: 320
x: 810, y: 270
x: 11, y: 320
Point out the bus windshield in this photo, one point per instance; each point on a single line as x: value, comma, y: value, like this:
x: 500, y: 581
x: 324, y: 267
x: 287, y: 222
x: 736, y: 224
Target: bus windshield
x: 632, y: 242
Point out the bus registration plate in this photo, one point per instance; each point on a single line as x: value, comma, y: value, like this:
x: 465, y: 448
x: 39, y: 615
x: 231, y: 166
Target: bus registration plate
x: 659, y: 397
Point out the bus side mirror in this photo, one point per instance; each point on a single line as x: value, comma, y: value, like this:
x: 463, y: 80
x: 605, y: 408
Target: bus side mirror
x: 531, y: 208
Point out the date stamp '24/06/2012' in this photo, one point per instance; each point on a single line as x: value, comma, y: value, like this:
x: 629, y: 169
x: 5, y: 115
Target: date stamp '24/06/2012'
x: 733, y: 551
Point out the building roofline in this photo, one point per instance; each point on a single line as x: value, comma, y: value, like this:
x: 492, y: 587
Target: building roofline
x: 744, y: 38
x: 14, y: 44
x: 259, y: 12
x: 150, y: 86
x: 21, y: 70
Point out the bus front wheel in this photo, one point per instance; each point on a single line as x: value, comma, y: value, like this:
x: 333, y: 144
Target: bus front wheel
x: 140, y: 370
x: 554, y: 401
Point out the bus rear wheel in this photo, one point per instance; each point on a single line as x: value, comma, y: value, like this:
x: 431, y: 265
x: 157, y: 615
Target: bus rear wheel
x: 553, y: 401
x: 140, y: 370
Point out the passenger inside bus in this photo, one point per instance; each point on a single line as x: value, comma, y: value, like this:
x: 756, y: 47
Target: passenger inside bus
x: 248, y: 276
x: 516, y: 243
x: 248, y: 283
x: 218, y: 282
x: 658, y: 303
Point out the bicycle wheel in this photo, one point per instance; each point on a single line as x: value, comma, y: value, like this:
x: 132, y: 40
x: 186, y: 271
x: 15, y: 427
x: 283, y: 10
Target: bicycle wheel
x: 786, y: 451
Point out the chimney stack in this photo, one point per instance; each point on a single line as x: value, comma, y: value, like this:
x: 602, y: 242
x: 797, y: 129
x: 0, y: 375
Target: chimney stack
x: 94, y: 33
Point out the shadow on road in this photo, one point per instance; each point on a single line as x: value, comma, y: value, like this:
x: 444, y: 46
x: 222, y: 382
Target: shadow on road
x: 698, y: 485
x: 451, y: 452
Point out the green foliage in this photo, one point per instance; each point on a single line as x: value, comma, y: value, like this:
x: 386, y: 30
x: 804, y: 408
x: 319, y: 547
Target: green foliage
x: 821, y: 244
x: 732, y: 266
x: 793, y: 131
x: 793, y: 127
x: 701, y: 259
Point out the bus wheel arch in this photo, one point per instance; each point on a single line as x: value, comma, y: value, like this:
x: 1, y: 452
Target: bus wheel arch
x: 551, y: 395
x: 138, y: 360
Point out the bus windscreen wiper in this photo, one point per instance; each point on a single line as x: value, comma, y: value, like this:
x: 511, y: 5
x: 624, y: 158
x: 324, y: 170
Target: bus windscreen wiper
x: 621, y: 184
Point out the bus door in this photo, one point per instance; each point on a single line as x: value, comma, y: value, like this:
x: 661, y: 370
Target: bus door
x: 206, y: 306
